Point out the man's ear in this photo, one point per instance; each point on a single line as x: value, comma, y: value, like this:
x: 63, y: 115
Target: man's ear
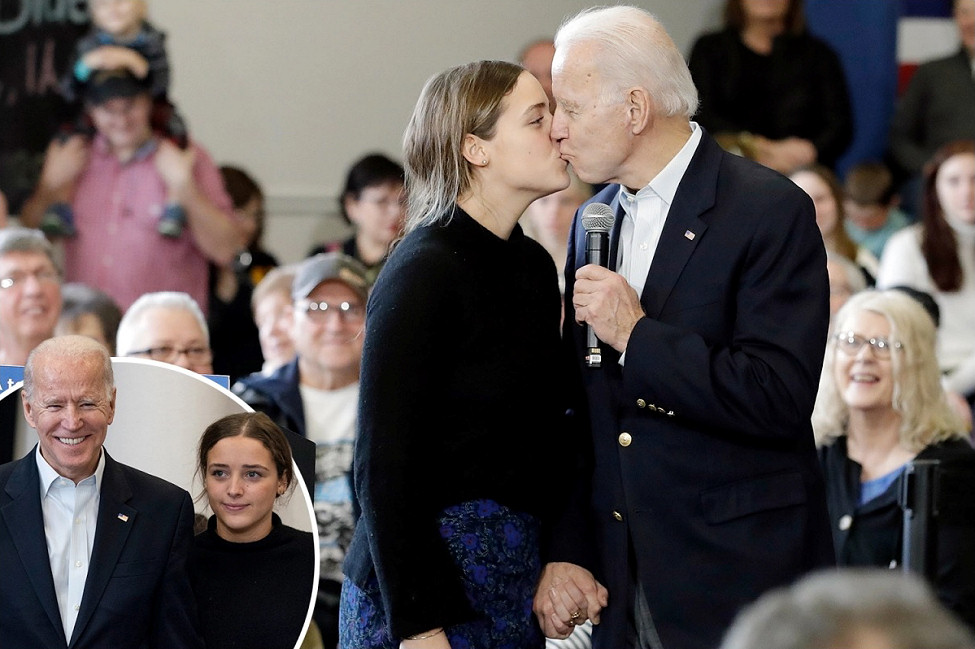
x: 474, y: 150
x: 28, y: 410
x: 640, y: 106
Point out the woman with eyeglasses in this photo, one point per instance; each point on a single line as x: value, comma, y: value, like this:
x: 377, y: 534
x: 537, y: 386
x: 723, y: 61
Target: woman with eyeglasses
x: 881, y: 405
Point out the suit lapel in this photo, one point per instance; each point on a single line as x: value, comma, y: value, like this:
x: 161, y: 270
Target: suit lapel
x: 684, y: 229
x: 115, y: 521
x: 614, y: 236
x: 25, y: 522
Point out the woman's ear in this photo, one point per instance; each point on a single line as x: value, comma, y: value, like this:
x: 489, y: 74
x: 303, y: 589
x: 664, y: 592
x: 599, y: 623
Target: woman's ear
x: 474, y: 150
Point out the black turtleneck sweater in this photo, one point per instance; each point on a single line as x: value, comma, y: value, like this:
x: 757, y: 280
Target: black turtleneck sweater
x: 253, y: 594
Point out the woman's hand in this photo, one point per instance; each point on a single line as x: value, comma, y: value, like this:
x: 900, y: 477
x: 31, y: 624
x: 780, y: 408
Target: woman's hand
x: 567, y: 595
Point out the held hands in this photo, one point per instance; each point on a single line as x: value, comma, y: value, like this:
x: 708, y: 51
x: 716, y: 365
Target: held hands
x: 567, y: 595
x: 605, y: 301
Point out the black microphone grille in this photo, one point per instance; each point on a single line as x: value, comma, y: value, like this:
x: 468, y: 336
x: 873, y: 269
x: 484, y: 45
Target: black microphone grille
x: 598, y: 217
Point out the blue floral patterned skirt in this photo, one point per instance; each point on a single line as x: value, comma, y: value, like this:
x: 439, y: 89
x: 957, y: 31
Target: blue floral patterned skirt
x: 497, y: 551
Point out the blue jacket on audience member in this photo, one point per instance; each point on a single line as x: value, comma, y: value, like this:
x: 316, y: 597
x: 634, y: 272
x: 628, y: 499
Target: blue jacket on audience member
x: 277, y: 395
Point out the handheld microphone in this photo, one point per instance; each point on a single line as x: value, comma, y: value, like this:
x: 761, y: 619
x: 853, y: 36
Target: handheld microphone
x: 597, y: 221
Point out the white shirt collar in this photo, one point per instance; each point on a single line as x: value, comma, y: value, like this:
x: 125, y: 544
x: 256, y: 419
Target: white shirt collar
x: 666, y: 182
x: 48, y: 476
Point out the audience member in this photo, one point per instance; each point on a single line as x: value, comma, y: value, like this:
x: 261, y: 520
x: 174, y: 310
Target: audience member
x: 117, y: 247
x: 851, y: 608
x: 169, y: 327
x: 30, y: 304
x: 233, y: 332
x: 252, y: 575
x: 711, y: 255
x: 316, y: 395
x: 248, y: 200
x: 881, y: 405
x: 935, y: 256
x: 374, y: 205
x: 121, y: 38
x: 827, y: 194
x: 935, y: 109
x: 769, y: 89
x: 128, y: 588
x: 870, y: 206
x: 271, y: 306
x: 456, y: 494
x: 89, y: 312
x: 536, y: 57
x: 845, y: 280
x: 30, y: 293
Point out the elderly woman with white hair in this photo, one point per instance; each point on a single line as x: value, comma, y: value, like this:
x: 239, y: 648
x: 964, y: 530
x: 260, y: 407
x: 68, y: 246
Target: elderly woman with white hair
x: 881, y: 405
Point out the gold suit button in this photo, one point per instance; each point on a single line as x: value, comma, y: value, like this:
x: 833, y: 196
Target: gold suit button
x: 625, y: 439
x: 845, y: 522
x: 618, y: 516
x: 640, y: 403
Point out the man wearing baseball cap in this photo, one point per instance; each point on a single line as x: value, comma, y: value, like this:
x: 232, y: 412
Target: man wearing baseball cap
x: 143, y: 215
x: 316, y: 395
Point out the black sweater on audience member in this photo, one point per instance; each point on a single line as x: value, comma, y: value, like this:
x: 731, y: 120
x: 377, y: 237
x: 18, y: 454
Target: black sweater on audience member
x: 253, y: 595
x: 799, y: 90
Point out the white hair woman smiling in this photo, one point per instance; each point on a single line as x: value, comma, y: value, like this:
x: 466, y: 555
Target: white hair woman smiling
x: 880, y: 406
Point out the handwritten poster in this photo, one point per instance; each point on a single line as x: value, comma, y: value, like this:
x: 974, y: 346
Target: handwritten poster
x: 36, y: 41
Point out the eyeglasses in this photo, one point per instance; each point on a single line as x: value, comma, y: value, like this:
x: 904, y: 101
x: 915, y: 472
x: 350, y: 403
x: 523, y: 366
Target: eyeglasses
x: 850, y: 343
x: 346, y: 311
x: 169, y: 354
x: 19, y: 277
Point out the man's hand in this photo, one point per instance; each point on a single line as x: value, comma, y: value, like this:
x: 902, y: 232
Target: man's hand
x: 567, y: 595
x: 605, y: 301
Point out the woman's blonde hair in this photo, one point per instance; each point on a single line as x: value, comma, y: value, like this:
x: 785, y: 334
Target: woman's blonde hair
x: 467, y: 99
x: 926, y: 416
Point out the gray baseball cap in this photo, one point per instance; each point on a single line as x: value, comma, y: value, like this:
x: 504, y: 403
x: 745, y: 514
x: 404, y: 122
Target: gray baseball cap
x: 327, y: 266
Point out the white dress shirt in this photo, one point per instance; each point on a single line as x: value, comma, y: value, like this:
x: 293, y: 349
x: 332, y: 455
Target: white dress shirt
x: 646, y: 212
x: 70, y: 513
x: 644, y: 215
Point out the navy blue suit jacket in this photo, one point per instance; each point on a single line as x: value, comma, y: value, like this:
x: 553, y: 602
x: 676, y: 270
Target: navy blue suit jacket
x: 704, y: 459
x: 137, y: 594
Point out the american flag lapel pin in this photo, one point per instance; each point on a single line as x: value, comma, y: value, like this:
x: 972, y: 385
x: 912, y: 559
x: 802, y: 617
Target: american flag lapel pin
x: 123, y: 518
x: 689, y: 235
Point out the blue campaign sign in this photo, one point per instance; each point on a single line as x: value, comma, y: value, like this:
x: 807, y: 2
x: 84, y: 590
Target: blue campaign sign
x: 11, y: 375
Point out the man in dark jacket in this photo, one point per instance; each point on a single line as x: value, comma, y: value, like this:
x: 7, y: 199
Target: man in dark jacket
x: 316, y: 395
